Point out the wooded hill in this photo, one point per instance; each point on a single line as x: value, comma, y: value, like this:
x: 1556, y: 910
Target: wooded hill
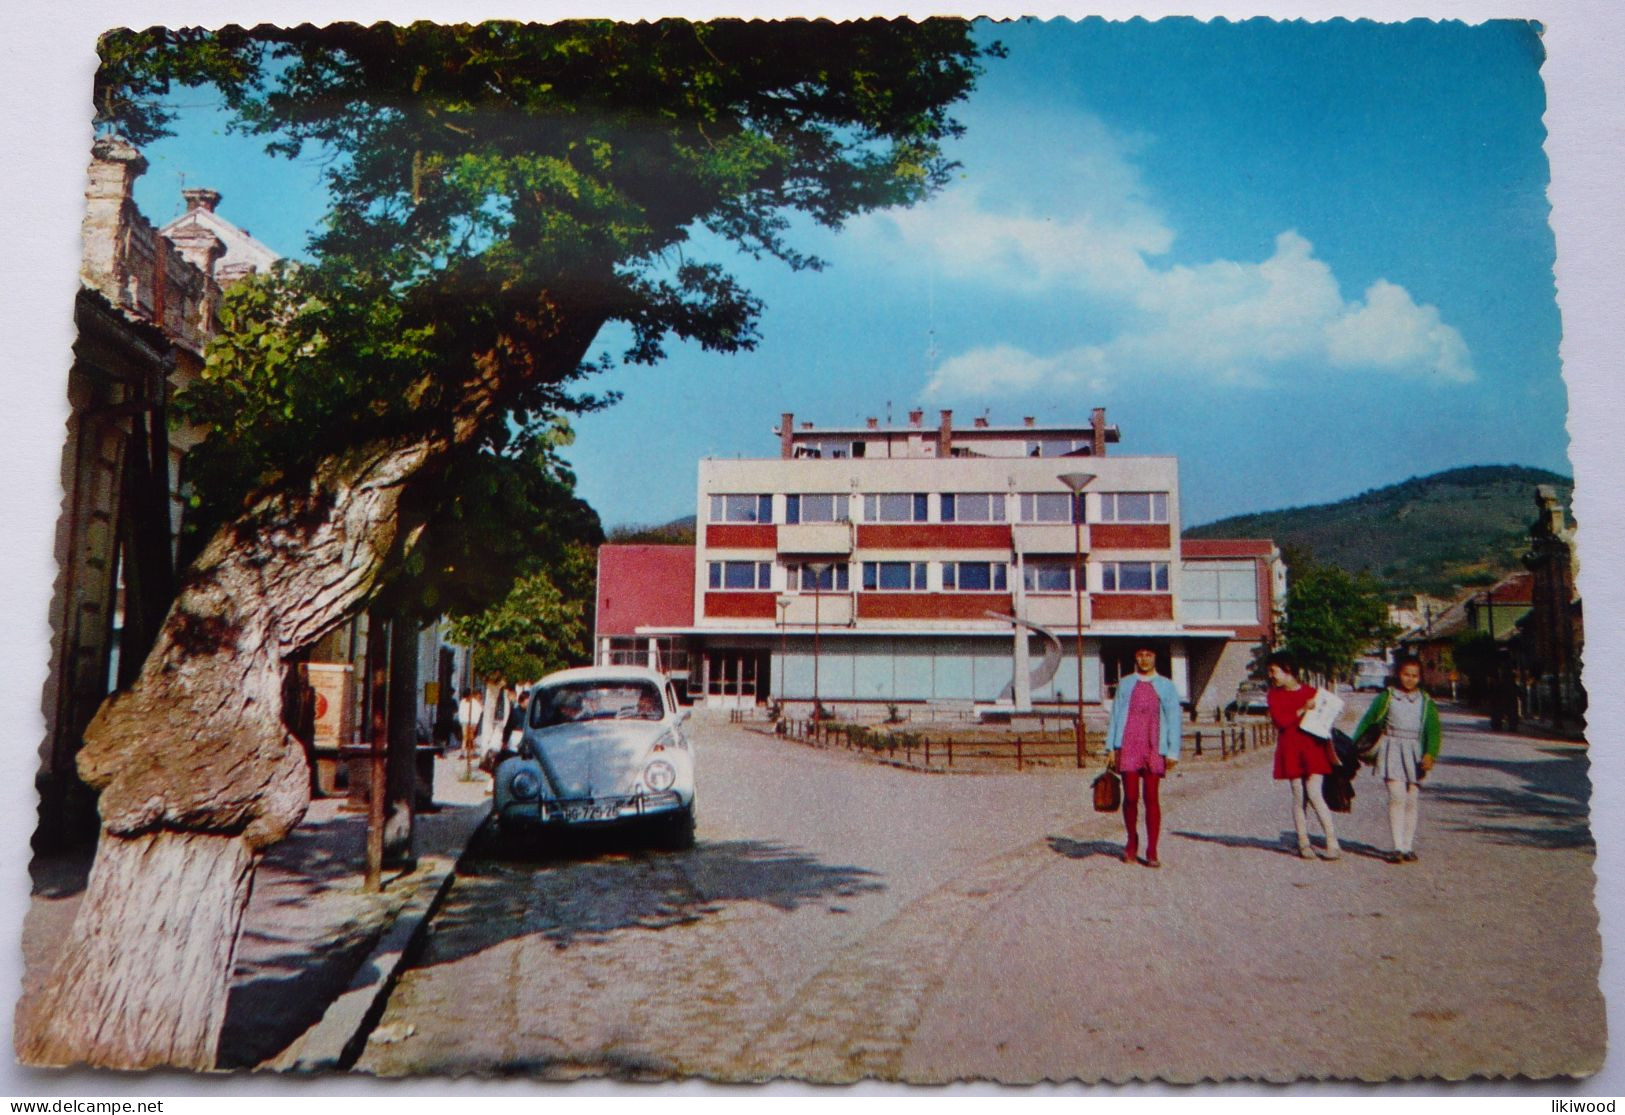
x: 1437, y: 534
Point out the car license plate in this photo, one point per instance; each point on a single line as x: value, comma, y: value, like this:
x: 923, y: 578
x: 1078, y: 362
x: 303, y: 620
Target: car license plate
x: 597, y: 811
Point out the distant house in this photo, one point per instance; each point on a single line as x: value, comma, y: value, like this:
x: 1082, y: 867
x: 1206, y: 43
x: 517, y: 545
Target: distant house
x: 932, y: 564
x: 1495, y: 611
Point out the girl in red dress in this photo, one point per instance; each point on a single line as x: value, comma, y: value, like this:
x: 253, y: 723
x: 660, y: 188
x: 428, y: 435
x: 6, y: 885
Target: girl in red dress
x: 1301, y: 760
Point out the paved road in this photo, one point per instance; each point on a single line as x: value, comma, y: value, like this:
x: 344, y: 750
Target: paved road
x: 841, y: 919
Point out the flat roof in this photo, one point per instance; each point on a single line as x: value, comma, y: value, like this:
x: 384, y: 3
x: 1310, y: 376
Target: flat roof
x: 829, y: 632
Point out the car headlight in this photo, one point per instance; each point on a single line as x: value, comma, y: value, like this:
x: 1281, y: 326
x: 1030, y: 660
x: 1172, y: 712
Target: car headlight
x: 659, y: 775
x: 525, y: 785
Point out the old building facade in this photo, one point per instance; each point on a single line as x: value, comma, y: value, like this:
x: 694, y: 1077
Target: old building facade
x: 144, y: 313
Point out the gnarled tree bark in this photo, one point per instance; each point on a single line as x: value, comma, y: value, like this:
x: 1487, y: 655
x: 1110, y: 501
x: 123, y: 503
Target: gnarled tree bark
x: 196, y: 770
x: 198, y: 774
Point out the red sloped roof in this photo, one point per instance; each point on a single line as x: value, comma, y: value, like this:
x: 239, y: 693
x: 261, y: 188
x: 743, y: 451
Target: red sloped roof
x: 644, y: 586
x: 1225, y: 547
x: 1519, y: 588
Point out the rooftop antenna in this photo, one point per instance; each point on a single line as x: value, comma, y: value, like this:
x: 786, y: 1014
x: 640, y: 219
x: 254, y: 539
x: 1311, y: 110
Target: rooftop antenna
x: 888, y: 412
x: 931, y: 352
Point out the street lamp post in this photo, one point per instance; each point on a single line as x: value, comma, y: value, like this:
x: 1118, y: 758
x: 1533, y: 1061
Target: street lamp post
x: 818, y: 569
x: 784, y: 653
x: 1076, y: 482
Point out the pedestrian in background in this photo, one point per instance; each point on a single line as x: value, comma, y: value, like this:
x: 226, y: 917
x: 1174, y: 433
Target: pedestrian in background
x: 516, y: 720
x: 1301, y: 760
x: 498, y: 707
x: 1408, y: 721
x: 470, y: 717
x: 1142, y: 745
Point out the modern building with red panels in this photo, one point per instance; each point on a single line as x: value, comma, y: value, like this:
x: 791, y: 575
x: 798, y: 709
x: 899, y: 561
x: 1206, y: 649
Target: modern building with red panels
x: 904, y: 564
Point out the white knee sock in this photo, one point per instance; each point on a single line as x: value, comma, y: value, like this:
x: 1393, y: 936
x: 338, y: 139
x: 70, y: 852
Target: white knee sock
x: 1299, y: 820
x: 1396, y: 814
x: 1323, y: 811
x: 1413, y: 802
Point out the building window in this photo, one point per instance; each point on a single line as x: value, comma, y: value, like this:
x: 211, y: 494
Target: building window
x: 894, y: 507
x: 1048, y: 507
x: 816, y: 508
x: 742, y: 576
x: 1134, y: 576
x: 1047, y: 576
x: 974, y: 576
x: 1218, y: 592
x: 1134, y: 507
x: 742, y: 509
x: 973, y: 507
x: 836, y: 578
x: 1057, y: 446
x: 894, y: 576
x: 829, y: 450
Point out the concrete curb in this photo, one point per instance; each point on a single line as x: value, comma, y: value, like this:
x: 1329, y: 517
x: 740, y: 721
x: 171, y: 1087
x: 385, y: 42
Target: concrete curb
x: 335, y: 1043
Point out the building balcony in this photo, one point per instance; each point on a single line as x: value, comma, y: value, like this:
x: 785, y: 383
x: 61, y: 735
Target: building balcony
x: 1053, y: 609
x: 826, y: 608
x: 814, y: 539
x: 1048, y: 538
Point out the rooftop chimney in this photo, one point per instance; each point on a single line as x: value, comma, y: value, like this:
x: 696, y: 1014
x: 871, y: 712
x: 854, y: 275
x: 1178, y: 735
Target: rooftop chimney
x: 873, y: 423
x: 201, y: 199
x: 1027, y: 421
x: 945, y: 434
x: 787, y: 433
x: 1097, y: 424
x: 915, y: 417
x: 198, y: 246
x: 980, y: 423
x: 114, y: 168
x: 806, y: 425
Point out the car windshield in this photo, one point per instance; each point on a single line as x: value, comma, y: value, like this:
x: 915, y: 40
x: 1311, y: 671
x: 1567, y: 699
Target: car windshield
x: 595, y: 700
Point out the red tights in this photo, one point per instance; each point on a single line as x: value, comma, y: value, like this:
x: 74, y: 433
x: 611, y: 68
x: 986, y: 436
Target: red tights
x: 1131, y: 811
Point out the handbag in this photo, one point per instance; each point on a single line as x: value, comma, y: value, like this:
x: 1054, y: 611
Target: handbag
x: 1108, y: 792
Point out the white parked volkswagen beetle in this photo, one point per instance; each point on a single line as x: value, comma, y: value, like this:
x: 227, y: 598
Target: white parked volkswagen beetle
x: 602, y: 745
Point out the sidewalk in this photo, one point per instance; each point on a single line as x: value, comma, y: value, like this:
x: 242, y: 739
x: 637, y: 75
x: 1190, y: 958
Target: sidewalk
x: 316, y: 951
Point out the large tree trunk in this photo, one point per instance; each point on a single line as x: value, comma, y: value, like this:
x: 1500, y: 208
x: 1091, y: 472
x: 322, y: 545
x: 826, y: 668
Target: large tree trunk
x: 182, y: 895
x: 198, y: 773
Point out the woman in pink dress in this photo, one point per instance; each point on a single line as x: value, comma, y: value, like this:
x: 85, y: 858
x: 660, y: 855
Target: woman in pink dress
x: 1142, y: 745
x: 1301, y: 760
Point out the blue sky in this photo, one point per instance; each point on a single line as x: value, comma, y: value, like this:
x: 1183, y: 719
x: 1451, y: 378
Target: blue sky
x: 1308, y: 259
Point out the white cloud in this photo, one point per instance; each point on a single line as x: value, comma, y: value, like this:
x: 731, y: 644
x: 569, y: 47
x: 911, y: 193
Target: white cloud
x: 1231, y: 321
x: 1389, y: 330
x: 1007, y: 370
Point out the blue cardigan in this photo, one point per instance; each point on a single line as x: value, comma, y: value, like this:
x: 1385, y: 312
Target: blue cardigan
x: 1168, y: 744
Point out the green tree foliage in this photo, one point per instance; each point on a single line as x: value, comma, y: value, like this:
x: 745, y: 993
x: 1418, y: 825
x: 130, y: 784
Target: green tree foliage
x: 500, y: 192
x: 1332, y: 616
x: 679, y: 532
x: 543, y: 624
x: 496, y: 186
x: 499, y: 517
